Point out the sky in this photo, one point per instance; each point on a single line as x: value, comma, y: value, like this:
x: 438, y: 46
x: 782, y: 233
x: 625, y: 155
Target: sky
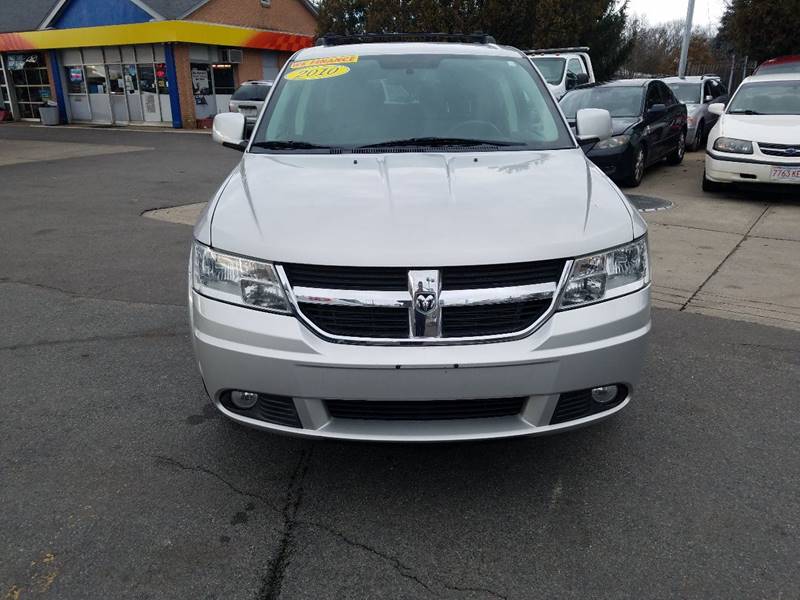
x: 706, y: 12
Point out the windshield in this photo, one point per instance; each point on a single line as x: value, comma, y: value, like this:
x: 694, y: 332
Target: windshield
x: 552, y: 68
x: 620, y: 101
x: 688, y: 93
x: 252, y: 92
x: 349, y: 102
x: 767, y: 98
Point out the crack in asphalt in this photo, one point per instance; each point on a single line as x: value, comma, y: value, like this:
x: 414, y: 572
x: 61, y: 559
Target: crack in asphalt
x: 200, y: 469
x: 272, y: 582
x: 152, y: 334
x: 72, y: 294
x: 727, y: 257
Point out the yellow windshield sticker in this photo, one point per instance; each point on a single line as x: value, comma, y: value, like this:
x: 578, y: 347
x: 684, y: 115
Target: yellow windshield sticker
x: 322, y: 62
x: 313, y: 73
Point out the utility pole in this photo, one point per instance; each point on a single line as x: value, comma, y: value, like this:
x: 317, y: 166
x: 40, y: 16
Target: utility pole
x: 687, y: 37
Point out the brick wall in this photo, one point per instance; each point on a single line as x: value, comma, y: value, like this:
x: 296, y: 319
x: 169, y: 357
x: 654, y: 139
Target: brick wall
x: 184, y: 75
x: 251, y: 67
x: 283, y: 15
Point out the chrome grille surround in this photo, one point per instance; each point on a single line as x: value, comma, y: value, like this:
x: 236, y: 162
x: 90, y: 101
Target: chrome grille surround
x: 406, y: 299
x: 785, y: 150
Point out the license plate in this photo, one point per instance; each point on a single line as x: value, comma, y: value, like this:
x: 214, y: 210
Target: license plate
x: 789, y: 174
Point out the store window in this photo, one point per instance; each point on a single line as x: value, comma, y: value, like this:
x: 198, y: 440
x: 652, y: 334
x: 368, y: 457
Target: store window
x: 76, y: 82
x: 161, y: 78
x: 31, y: 82
x: 96, y: 79
x: 116, y: 82
x: 5, y: 97
x: 147, y: 79
x: 224, y: 79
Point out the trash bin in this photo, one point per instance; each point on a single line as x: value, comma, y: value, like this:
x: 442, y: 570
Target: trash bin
x: 48, y: 114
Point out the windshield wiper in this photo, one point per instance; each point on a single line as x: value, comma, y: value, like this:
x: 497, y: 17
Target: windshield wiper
x: 438, y: 141
x: 289, y: 145
x: 745, y: 112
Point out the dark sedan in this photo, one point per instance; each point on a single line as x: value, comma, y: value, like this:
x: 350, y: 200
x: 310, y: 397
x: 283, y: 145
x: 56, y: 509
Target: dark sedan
x: 649, y: 125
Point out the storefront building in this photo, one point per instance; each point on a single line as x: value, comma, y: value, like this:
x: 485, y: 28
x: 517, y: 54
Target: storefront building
x: 157, y: 62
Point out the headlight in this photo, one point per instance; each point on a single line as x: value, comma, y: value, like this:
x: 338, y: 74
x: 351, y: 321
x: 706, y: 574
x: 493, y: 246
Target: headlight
x: 237, y: 280
x: 735, y: 146
x: 607, y: 275
x: 613, y: 142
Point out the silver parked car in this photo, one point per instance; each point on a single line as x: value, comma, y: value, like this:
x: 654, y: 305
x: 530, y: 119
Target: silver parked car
x: 406, y: 253
x: 249, y: 98
x: 698, y: 93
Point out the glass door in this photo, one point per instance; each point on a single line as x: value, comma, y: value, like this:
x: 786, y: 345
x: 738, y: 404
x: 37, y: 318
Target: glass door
x: 99, y: 99
x: 132, y: 92
x: 149, y: 91
x: 116, y: 91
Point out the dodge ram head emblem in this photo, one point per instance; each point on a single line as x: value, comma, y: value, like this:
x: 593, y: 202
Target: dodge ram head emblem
x: 425, y: 301
x: 425, y: 313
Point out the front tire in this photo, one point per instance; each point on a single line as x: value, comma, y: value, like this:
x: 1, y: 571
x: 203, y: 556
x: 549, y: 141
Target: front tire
x: 676, y: 156
x: 637, y: 168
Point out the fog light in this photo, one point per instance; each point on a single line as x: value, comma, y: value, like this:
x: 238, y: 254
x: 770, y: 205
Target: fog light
x: 604, y: 394
x: 244, y: 400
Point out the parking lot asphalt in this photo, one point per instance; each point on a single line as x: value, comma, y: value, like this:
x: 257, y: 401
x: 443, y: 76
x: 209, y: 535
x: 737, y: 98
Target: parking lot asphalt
x: 119, y: 480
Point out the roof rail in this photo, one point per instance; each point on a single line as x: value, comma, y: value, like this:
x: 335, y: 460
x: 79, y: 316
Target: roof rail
x: 557, y: 50
x: 331, y: 39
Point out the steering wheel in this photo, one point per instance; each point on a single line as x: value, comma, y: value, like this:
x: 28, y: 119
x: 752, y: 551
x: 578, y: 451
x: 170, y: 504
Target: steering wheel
x: 477, y: 128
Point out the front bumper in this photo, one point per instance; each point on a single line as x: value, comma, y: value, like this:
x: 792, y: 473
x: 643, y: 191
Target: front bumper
x: 243, y: 349
x: 740, y: 169
x: 617, y: 163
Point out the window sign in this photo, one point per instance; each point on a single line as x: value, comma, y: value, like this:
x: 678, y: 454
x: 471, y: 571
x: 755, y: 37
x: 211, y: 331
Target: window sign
x: 131, y: 79
x: 161, y: 78
x: 201, y: 79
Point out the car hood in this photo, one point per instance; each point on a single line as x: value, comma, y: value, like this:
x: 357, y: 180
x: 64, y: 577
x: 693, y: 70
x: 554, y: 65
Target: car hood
x: 620, y: 125
x: 415, y: 209
x: 773, y: 129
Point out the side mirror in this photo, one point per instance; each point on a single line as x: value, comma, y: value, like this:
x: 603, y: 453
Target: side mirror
x: 656, y: 111
x: 228, y: 130
x: 582, y: 78
x: 716, y: 109
x: 593, y: 125
x: 571, y: 81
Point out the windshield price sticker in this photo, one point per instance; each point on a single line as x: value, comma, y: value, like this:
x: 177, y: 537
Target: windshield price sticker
x: 322, y: 62
x: 314, y: 73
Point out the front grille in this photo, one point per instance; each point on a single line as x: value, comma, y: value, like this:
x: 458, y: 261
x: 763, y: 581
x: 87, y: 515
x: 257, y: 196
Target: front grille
x: 786, y: 150
x: 279, y: 410
x: 504, y: 313
x: 489, y: 276
x: 579, y: 404
x: 346, y: 278
x: 491, y: 319
x: 356, y: 321
x: 396, y: 278
x: 424, y: 410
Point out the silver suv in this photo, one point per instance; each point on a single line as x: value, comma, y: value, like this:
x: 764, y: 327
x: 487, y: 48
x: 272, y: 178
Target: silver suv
x: 415, y: 248
x: 249, y: 99
x: 698, y: 93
